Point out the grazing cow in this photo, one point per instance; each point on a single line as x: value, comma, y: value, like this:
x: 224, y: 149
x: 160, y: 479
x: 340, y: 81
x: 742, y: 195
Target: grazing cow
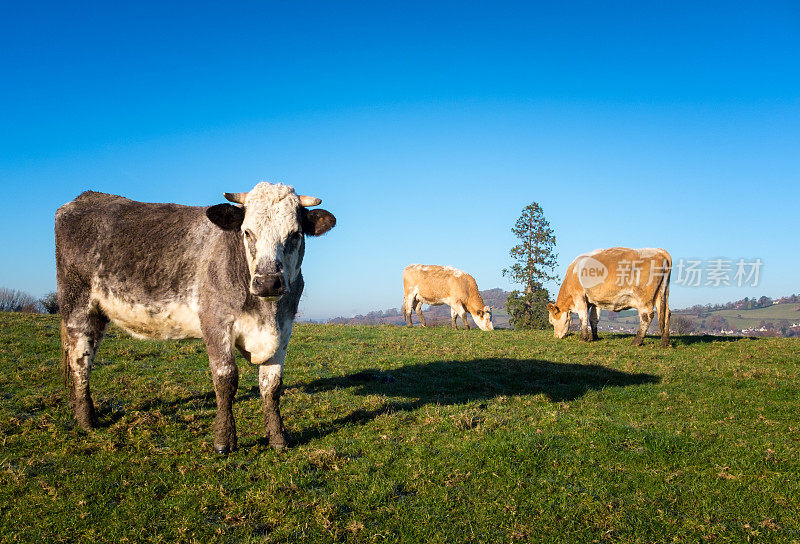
x: 434, y: 285
x: 615, y: 279
x: 227, y: 274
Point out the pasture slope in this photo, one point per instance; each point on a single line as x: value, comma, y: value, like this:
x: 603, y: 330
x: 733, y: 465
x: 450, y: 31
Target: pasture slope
x: 409, y: 435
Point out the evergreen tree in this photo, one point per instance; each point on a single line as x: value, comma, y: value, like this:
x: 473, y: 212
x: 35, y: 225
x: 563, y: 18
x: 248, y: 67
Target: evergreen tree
x: 534, y: 264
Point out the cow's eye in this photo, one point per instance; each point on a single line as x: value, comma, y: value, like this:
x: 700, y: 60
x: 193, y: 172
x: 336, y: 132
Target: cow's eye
x: 248, y: 234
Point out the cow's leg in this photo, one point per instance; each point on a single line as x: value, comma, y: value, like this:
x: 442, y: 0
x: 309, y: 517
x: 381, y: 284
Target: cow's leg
x: 81, y: 333
x: 408, y: 304
x: 453, y: 315
x: 583, y: 313
x: 226, y: 381
x: 645, y: 317
x: 463, y: 314
x: 663, y: 313
x: 418, y: 309
x: 270, y: 383
x: 225, y: 375
x: 594, y: 317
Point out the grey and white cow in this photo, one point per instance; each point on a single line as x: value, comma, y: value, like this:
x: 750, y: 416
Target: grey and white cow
x: 229, y: 274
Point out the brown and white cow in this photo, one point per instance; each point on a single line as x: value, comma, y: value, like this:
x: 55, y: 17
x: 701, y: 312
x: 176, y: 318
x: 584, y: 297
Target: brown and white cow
x: 435, y: 285
x: 227, y: 274
x: 616, y: 279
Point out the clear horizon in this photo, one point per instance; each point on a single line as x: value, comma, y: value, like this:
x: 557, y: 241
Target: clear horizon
x: 425, y: 129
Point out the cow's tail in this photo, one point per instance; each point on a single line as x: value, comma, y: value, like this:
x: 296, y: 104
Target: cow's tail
x: 663, y: 304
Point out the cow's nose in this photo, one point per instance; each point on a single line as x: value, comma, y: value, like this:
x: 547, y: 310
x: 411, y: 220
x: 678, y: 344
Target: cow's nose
x: 268, y: 285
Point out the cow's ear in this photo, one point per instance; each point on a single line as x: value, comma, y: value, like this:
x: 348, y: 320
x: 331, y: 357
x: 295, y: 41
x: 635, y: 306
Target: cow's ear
x: 226, y: 216
x: 552, y: 308
x: 316, y: 222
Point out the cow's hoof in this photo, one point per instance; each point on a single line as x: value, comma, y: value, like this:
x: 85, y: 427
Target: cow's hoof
x: 86, y: 417
x: 278, y: 444
x: 87, y: 424
x: 222, y: 450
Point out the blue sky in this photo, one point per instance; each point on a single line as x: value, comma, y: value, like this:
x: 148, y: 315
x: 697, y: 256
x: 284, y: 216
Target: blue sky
x: 424, y: 127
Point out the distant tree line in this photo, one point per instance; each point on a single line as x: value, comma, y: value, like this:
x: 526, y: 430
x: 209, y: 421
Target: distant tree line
x: 435, y: 315
x: 376, y: 317
x: 703, y: 310
x: 13, y: 300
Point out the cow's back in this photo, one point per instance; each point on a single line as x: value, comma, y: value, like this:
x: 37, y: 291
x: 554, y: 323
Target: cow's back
x: 632, y: 277
x: 147, y: 246
x: 437, y: 284
x: 136, y: 257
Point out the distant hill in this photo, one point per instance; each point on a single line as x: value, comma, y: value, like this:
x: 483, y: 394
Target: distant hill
x: 774, y: 319
x: 434, y: 315
x: 746, y: 317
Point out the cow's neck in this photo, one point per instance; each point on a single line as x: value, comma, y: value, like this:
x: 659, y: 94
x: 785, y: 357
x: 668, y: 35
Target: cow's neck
x: 474, y: 300
x: 564, y: 299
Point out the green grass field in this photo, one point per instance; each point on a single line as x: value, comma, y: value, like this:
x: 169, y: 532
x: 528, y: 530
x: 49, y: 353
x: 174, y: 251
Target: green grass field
x: 409, y: 435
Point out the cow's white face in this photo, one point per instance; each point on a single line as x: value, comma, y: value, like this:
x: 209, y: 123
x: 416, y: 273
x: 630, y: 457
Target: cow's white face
x: 559, y: 320
x: 273, y: 239
x: 272, y: 221
x: 483, y: 319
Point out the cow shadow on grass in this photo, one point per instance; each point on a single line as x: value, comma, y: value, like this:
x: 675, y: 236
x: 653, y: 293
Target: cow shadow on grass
x: 412, y: 387
x: 674, y: 340
x: 457, y: 382
x: 110, y: 410
x: 687, y: 340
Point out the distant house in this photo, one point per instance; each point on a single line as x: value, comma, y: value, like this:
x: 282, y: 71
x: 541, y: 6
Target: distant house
x: 753, y: 329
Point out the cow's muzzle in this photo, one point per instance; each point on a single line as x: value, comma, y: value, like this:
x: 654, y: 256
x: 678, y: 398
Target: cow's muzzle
x: 268, y: 285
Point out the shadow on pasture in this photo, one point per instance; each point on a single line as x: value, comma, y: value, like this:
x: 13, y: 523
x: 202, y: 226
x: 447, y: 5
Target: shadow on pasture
x: 456, y: 382
x: 688, y: 340
x: 109, y: 411
x: 674, y: 340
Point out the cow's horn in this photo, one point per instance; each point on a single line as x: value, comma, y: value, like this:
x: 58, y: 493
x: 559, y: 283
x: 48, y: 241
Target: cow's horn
x: 238, y: 198
x: 306, y: 201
